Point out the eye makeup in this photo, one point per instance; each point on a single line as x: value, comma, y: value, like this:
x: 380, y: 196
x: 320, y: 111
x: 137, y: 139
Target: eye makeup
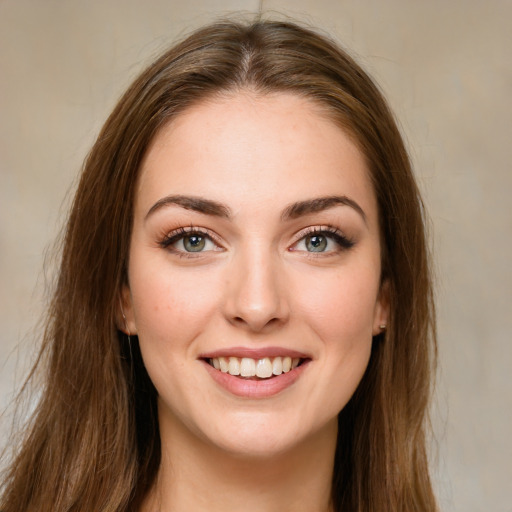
x: 190, y: 241
x: 193, y: 241
x: 321, y: 239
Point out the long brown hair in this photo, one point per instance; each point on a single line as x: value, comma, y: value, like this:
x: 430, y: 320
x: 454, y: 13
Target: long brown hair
x: 93, y: 442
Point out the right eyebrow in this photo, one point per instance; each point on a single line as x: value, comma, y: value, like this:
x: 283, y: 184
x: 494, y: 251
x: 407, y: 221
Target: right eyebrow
x: 197, y: 204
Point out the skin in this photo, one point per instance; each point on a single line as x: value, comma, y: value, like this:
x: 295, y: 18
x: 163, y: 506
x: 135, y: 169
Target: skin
x: 256, y: 284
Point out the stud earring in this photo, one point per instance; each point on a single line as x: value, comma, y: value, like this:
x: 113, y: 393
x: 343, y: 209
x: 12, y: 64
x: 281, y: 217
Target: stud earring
x: 125, y: 322
x: 128, y: 336
x: 382, y: 327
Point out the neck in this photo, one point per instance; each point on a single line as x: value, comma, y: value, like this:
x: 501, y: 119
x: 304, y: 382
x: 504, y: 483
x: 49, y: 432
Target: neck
x: 194, y: 475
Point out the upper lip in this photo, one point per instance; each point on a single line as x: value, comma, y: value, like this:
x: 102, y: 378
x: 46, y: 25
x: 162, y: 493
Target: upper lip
x: 254, y: 353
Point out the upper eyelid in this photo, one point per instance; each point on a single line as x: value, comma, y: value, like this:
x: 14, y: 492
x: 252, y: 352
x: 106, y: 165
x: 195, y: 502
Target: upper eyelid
x: 299, y: 235
x: 336, y: 234
x: 187, y: 230
x: 323, y: 228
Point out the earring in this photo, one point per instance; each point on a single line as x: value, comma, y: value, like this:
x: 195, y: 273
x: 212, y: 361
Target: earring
x: 127, y: 333
x: 382, y: 327
x: 125, y: 322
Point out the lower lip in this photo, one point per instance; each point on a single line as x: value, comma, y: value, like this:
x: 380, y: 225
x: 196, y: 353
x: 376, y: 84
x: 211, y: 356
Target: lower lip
x: 263, y: 388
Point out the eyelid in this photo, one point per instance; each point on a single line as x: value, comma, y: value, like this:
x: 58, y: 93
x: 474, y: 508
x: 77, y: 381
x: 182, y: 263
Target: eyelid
x: 337, y: 234
x: 174, y: 235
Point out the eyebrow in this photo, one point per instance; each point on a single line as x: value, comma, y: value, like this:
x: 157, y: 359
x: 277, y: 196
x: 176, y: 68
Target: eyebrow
x: 197, y: 204
x: 292, y: 211
x: 319, y: 204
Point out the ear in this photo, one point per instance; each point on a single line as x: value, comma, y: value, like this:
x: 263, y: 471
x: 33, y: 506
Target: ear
x: 381, y: 313
x: 125, y: 318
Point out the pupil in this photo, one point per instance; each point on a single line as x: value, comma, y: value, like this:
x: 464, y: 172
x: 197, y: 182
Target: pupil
x: 316, y: 243
x: 194, y: 243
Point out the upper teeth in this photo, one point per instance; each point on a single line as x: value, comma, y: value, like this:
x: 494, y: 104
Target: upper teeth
x: 247, y: 367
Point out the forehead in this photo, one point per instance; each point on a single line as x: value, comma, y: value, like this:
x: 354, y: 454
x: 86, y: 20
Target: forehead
x: 246, y: 148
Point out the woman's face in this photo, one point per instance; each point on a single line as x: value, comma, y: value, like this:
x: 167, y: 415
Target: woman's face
x: 255, y: 247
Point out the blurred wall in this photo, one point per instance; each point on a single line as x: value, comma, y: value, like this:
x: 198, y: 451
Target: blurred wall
x: 447, y: 71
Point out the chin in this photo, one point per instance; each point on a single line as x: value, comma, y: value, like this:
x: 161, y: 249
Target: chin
x: 263, y: 437
x: 258, y: 446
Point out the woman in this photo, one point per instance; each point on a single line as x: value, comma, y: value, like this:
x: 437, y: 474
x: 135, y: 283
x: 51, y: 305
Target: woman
x: 243, y: 317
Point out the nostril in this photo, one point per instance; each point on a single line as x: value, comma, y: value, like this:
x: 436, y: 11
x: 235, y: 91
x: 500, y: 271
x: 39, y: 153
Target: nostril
x: 256, y: 324
x: 238, y: 320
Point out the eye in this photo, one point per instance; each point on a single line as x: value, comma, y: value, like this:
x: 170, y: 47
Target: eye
x: 316, y: 243
x: 323, y: 240
x: 193, y: 243
x: 189, y: 240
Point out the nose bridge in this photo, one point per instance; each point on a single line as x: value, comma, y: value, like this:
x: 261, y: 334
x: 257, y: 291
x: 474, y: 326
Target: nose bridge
x: 256, y: 298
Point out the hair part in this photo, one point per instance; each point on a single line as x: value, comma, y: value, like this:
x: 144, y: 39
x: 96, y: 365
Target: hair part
x: 93, y: 443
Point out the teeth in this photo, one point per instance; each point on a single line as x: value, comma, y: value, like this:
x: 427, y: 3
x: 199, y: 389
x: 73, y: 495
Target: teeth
x: 223, y: 363
x: 262, y: 368
x: 247, y: 367
x: 277, y: 366
x: 234, y: 366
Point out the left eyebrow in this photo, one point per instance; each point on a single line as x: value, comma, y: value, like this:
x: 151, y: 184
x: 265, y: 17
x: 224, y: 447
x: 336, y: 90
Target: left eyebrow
x: 319, y: 204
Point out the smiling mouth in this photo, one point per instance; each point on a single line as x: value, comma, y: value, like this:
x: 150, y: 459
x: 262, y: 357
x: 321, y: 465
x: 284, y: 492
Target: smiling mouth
x: 255, y: 369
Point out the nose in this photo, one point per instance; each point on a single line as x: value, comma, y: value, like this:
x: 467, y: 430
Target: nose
x: 256, y: 296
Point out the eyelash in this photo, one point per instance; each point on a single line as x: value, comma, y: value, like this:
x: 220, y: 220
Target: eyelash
x: 177, y: 234
x: 344, y: 242
x: 330, y: 232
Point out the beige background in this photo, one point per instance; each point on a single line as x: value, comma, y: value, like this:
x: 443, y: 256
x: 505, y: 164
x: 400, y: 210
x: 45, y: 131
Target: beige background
x: 447, y: 70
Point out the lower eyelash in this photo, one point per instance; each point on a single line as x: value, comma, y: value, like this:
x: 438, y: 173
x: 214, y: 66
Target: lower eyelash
x: 342, y: 240
x: 335, y: 234
x: 179, y: 233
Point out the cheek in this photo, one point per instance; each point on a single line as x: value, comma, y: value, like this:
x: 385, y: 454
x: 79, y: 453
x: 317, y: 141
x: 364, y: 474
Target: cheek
x: 341, y: 306
x: 341, y: 315
x: 170, y: 306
